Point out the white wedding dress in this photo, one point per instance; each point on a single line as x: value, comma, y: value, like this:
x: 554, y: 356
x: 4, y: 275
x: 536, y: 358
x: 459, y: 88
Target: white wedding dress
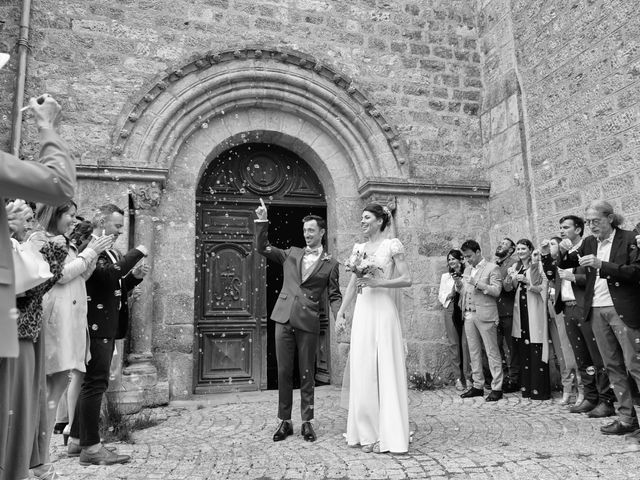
x: 378, y: 410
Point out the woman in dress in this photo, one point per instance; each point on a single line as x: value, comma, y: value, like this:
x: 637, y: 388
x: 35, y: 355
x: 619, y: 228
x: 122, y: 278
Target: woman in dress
x: 65, y: 309
x: 530, y: 325
x: 378, y: 418
x: 454, y: 324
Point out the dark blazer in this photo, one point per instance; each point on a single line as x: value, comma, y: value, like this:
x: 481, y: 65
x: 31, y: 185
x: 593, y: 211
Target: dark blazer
x: 506, y: 298
x: 107, y: 289
x: 300, y: 302
x: 51, y: 180
x: 578, y: 286
x: 622, y: 273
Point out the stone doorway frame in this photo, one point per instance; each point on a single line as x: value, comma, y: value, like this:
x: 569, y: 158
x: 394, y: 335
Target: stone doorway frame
x: 192, y: 114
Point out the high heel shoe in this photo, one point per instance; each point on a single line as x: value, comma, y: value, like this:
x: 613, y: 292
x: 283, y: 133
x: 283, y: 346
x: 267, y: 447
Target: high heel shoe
x: 566, y: 398
x: 368, y: 448
x: 59, y: 427
x: 65, y: 438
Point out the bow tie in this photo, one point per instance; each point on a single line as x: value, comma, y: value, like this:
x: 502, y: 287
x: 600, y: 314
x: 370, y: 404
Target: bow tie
x: 311, y: 251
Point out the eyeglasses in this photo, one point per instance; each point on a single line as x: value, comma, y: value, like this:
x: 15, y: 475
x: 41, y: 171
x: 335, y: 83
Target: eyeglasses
x: 593, y: 221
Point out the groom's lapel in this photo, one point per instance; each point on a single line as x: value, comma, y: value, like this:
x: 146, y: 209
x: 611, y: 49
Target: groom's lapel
x: 316, y: 267
x: 299, y: 265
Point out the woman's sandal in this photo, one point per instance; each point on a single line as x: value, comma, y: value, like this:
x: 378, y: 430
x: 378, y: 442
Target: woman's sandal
x: 368, y: 448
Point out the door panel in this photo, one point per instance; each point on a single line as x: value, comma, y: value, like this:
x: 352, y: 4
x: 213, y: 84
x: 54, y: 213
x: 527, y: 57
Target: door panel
x: 231, y: 291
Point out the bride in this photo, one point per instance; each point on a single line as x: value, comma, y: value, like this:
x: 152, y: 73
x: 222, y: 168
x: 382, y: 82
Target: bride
x: 378, y: 418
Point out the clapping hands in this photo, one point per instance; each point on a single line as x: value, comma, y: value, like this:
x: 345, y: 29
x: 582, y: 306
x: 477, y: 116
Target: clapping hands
x: 100, y: 244
x: 18, y: 214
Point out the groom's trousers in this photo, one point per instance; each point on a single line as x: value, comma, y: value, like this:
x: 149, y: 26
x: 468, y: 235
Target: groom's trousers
x: 287, y: 340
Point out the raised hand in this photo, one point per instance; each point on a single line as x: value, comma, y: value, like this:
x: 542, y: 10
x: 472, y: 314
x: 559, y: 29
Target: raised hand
x: 545, y: 247
x: 261, y: 211
x: 565, y: 245
x: 18, y: 213
x: 141, y: 270
x: 46, y: 111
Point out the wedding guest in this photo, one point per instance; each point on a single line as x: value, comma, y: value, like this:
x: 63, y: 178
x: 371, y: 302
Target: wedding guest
x: 530, y: 326
x: 598, y: 397
x: 510, y: 360
x: 378, y: 418
x: 479, y: 289
x: 24, y: 450
x: 569, y: 374
x: 611, y: 303
x: 454, y: 325
x: 51, y: 180
x: 108, y: 318
x: 65, y: 307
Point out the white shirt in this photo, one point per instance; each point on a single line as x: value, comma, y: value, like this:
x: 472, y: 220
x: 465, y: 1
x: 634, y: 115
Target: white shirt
x: 601, y: 294
x: 566, y: 290
x: 310, y: 258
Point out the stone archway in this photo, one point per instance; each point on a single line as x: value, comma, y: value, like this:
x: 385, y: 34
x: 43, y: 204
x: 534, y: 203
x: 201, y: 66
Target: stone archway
x: 220, y: 100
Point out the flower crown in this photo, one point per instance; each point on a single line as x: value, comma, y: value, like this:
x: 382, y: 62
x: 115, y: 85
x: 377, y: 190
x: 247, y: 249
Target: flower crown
x: 387, y: 212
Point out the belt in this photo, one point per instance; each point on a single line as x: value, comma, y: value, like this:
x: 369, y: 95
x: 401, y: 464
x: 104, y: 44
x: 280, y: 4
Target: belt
x: 571, y: 303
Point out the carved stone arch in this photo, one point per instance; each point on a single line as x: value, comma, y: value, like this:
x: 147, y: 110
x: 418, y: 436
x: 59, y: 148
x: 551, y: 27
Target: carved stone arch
x: 219, y: 87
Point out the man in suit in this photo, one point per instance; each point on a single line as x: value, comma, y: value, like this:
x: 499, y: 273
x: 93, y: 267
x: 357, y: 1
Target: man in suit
x: 108, y: 319
x: 611, y: 303
x: 310, y: 275
x: 510, y: 359
x: 479, y: 289
x: 569, y: 299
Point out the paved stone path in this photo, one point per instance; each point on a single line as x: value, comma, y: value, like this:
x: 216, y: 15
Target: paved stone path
x: 229, y: 437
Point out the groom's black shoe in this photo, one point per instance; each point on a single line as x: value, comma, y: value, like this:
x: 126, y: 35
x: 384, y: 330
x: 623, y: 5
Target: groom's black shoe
x: 472, y: 392
x: 307, y: 432
x: 284, y: 430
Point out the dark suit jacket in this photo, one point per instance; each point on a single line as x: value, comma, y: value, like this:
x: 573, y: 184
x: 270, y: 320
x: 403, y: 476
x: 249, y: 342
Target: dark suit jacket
x: 52, y: 180
x: 551, y: 271
x: 107, y: 289
x: 301, y: 302
x: 622, y: 273
x: 506, y: 298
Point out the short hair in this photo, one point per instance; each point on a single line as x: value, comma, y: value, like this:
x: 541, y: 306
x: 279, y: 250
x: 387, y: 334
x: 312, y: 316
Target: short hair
x: 527, y: 243
x: 471, y: 245
x: 105, y: 211
x: 513, y: 244
x: 322, y: 223
x: 380, y: 212
x: 578, y: 222
x: 606, y: 208
x: 48, y: 215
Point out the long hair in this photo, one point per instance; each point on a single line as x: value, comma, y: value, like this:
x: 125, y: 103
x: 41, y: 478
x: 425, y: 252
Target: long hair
x: 457, y: 254
x: 605, y: 208
x: 48, y: 216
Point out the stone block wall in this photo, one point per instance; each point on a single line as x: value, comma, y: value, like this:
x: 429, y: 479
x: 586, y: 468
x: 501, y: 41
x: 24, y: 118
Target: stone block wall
x: 579, y: 62
x: 417, y: 60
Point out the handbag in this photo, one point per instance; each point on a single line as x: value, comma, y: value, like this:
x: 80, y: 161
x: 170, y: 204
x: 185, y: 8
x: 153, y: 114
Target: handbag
x: 30, y: 269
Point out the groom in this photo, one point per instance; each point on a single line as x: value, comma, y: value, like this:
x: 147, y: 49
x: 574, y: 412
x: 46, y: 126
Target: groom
x: 309, y: 275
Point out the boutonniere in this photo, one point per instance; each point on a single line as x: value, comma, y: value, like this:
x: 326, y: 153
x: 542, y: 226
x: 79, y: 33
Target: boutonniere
x: 326, y: 257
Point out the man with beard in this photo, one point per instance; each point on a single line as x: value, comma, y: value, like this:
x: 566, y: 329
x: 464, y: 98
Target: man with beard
x: 510, y: 360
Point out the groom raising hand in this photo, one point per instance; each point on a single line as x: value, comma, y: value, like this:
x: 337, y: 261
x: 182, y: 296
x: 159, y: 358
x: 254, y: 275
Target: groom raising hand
x: 310, y: 274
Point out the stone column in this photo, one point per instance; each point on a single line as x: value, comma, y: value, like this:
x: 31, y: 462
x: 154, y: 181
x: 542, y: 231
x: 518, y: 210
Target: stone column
x: 140, y: 376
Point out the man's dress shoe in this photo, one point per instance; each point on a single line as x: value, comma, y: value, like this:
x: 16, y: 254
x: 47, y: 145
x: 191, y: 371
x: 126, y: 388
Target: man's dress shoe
x: 284, y: 430
x: 472, y: 392
x: 602, y: 410
x: 307, y: 432
x: 619, y: 428
x: 585, y: 407
x: 494, y: 396
x: 103, y: 456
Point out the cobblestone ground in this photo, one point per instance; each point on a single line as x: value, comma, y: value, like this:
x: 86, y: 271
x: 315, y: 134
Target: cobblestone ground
x: 229, y: 437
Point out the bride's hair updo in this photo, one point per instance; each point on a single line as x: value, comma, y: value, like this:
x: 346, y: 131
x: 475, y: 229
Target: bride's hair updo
x: 379, y: 212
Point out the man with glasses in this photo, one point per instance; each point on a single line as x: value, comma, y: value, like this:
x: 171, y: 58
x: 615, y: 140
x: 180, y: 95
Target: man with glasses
x: 611, y: 303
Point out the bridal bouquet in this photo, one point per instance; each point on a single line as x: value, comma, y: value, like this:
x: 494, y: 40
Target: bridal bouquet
x: 362, y: 266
